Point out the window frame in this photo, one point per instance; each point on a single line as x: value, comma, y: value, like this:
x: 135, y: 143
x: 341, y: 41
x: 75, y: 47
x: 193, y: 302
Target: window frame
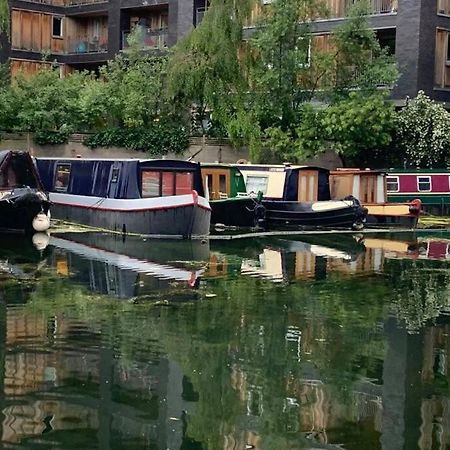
x: 61, y: 27
x: 264, y: 177
x: 418, y: 183
x: 55, y: 178
x: 397, y: 181
x: 174, y: 174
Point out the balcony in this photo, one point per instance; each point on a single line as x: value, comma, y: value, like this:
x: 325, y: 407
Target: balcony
x: 87, y: 45
x: 148, y: 39
x: 67, y: 2
x: 339, y: 9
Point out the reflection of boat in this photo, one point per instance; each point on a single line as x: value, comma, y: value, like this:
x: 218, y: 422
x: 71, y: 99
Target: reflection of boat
x: 24, y: 205
x: 148, y: 197
x: 119, y: 274
x: 283, y: 260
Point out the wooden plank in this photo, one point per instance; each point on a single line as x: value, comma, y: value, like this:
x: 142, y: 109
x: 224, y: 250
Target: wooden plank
x: 26, y: 30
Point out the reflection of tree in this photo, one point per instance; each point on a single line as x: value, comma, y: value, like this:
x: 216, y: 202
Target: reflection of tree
x: 266, y: 363
x: 420, y: 290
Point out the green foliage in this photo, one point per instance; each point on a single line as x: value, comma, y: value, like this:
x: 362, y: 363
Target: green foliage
x: 4, y: 16
x: 156, y: 140
x: 45, y: 137
x: 359, y: 123
x: 423, y: 133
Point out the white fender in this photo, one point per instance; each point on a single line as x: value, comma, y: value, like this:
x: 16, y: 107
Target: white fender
x: 41, y: 222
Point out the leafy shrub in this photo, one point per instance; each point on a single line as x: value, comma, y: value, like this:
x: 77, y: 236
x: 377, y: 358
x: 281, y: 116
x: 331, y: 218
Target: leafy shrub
x: 44, y: 137
x: 157, y: 140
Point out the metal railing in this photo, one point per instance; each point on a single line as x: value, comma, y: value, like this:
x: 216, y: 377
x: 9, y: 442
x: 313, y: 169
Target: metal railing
x: 376, y: 7
x: 67, y: 2
x: 87, y: 45
x: 149, y: 39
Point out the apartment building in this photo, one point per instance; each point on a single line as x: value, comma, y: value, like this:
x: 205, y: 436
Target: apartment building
x: 415, y: 31
x: 84, y: 34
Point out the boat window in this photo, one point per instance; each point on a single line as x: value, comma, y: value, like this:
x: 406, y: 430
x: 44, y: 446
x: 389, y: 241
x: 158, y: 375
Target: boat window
x: 150, y: 183
x: 167, y: 183
x: 257, y: 184
x: 392, y: 184
x: 184, y: 183
x: 115, y: 175
x: 62, y: 177
x: 223, y: 183
x: 424, y: 184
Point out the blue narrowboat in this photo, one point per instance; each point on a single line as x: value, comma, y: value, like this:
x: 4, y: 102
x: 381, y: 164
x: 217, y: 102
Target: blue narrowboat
x: 24, y: 204
x: 158, y: 198
x: 296, y: 197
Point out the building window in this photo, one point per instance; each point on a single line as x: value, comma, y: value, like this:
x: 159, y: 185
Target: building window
x: 392, y: 184
x: 424, y: 184
x: 257, y: 184
x: 62, y: 177
x: 442, y: 59
x: 57, y: 27
x: 443, y: 7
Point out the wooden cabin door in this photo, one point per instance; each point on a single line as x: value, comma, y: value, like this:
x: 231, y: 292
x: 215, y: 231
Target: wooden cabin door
x: 308, y: 183
x: 368, y: 188
x: 218, y: 183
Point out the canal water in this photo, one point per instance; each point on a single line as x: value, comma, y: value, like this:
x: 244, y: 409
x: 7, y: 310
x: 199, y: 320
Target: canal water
x: 330, y: 342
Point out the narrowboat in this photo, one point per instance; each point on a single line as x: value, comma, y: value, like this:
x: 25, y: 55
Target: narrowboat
x: 24, y: 204
x: 299, y: 197
x: 225, y: 189
x: 156, y: 198
x: 431, y: 186
x: 370, y: 187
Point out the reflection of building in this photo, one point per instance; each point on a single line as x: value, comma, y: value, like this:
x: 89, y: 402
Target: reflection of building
x: 59, y: 377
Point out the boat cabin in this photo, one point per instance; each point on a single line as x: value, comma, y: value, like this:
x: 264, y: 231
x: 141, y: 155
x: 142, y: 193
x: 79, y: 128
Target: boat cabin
x: 432, y: 186
x: 17, y: 170
x: 290, y: 183
x: 369, y: 186
x: 222, y: 181
x: 120, y: 179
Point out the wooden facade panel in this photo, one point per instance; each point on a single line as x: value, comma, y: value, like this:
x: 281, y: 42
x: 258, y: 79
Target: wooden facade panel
x: 26, y: 30
x: 33, y: 31
x: 27, y: 68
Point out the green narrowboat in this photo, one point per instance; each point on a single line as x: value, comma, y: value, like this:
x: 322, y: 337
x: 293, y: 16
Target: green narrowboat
x: 230, y: 204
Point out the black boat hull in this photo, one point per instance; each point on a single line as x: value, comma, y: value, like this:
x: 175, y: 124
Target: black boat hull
x: 297, y: 215
x: 234, y: 212
x: 186, y: 220
x: 18, y: 210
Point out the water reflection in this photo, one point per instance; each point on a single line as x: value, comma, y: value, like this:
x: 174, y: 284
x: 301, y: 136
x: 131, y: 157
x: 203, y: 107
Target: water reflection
x: 330, y: 343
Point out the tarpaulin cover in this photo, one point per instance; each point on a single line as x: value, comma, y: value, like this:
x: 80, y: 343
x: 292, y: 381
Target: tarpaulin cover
x: 110, y: 178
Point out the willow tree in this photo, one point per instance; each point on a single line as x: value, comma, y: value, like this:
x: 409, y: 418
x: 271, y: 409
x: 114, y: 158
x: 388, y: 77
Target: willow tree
x: 262, y: 84
x: 206, y: 69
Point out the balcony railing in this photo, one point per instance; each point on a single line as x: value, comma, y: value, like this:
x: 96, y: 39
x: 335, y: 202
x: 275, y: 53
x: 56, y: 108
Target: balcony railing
x: 339, y: 9
x: 148, y: 39
x: 87, y: 45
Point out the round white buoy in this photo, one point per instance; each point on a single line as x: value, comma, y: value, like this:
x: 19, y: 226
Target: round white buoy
x: 40, y: 240
x: 41, y: 222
